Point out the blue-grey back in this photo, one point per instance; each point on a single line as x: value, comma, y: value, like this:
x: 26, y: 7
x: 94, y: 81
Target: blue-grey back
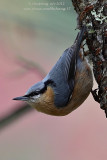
x: 63, y: 75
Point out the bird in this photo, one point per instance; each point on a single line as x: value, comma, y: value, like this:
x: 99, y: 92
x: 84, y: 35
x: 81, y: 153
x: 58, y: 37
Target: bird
x: 66, y: 86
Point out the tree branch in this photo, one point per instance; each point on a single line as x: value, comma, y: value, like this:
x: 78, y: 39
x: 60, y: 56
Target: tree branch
x: 94, y: 15
x: 14, y: 115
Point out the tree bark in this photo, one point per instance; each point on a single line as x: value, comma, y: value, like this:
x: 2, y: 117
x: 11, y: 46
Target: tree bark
x: 93, y: 14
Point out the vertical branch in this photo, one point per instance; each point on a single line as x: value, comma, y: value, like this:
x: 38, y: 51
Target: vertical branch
x: 94, y: 15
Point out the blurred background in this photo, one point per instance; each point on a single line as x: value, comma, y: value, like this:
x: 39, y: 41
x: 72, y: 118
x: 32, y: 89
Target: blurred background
x: 33, y: 35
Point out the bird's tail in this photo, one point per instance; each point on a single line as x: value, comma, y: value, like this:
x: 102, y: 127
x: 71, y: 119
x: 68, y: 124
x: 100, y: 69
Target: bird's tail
x: 79, y: 39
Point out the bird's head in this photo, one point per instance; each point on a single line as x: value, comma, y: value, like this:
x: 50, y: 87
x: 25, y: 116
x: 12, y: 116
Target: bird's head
x: 39, y: 96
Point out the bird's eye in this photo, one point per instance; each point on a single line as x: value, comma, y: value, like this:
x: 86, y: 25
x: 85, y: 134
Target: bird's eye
x: 33, y: 94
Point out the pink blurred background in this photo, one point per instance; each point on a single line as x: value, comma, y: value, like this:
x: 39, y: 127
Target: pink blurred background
x: 40, y: 37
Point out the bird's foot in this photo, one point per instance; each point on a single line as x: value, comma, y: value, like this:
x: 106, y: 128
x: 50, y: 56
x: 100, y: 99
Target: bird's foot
x: 95, y: 95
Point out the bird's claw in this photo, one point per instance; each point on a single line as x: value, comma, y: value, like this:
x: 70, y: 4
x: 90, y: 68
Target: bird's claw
x: 95, y: 95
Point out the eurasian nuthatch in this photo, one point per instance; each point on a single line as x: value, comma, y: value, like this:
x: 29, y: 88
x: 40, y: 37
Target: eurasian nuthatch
x: 66, y: 86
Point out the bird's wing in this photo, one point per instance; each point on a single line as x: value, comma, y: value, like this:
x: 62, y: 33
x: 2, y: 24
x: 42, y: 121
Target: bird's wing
x: 70, y: 55
x: 69, y: 60
x: 63, y: 72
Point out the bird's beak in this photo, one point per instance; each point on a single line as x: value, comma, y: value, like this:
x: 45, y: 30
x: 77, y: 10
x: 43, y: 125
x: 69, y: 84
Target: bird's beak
x: 22, y: 98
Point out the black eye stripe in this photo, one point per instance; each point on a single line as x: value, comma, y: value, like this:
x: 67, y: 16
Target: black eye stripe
x: 36, y: 92
x: 32, y: 94
x: 48, y: 82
